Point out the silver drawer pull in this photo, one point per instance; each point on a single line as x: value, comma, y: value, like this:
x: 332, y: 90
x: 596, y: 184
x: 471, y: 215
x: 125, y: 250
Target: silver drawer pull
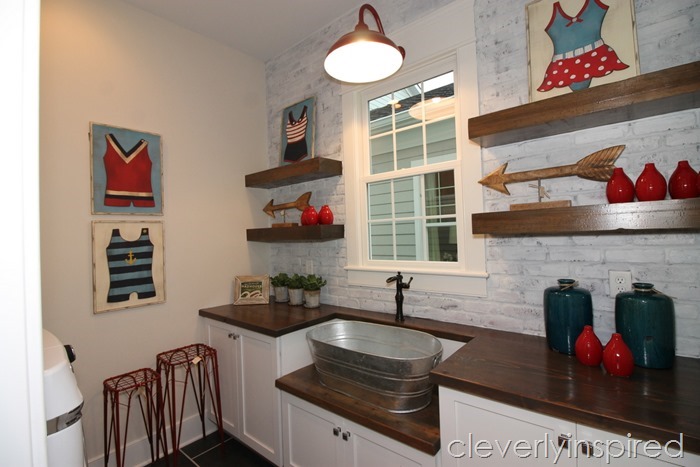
x: 563, y: 441
x: 587, y: 449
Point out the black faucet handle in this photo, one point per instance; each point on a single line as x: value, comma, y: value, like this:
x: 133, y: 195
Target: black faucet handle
x: 397, y: 277
x: 407, y: 284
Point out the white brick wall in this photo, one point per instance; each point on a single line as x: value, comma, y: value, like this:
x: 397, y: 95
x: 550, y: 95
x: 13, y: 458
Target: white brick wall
x: 520, y: 268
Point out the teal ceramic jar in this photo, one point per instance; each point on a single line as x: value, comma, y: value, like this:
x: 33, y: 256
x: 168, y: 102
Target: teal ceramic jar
x: 567, y: 309
x: 645, y: 319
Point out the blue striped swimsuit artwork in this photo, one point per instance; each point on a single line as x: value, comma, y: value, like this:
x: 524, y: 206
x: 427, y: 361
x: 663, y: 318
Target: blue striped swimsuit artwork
x: 130, y: 267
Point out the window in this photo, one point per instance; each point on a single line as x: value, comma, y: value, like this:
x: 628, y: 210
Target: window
x: 413, y: 218
x: 411, y: 173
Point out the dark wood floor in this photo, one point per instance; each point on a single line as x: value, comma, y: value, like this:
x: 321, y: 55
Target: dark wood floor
x: 210, y: 452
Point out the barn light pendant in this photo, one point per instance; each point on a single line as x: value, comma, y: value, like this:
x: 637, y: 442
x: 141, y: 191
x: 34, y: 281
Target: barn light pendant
x: 363, y: 55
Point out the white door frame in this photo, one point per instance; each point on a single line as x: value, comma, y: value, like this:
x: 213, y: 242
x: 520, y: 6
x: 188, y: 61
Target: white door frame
x: 23, y: 435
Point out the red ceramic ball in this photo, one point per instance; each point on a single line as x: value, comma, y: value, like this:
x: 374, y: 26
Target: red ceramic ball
x: 325, y: 215
x: 309, y: 216
x: 617, y: 357
x: 620, y: 188
x: 650, y: 185
x: 588, y: 348
x: 683, y: 182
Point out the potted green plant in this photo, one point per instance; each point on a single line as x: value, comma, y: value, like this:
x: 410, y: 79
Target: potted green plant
x: 312, y: 290
x: 296, y: 290
x: 279, y: 284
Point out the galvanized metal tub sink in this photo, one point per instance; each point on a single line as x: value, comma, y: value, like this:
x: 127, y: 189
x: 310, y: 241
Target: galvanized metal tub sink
x: 386, y: 366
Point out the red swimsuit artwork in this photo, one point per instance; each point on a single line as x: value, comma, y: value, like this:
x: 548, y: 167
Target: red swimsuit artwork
x: 128, y: 175
x: 580, y: 54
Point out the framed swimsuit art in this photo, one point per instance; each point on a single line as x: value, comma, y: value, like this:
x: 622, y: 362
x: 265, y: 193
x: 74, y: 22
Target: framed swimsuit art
x: 128, y: 264
x: 577, y: 44
x: 298, y: 131
x: 126, y: 171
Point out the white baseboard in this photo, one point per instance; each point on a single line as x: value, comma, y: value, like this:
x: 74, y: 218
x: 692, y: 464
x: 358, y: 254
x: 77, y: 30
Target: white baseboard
x: 138, y: 452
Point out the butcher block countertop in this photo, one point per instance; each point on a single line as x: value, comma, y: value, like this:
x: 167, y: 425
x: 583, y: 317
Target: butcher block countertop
x: 515, y: 369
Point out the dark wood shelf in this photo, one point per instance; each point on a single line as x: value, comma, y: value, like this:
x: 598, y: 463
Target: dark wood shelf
x: 304, y: 171
x: 667, y: 215
x: 670, y: 90
x: 303, y: 233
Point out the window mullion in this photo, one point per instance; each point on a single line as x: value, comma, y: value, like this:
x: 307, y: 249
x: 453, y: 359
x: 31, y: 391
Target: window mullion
x: 393, y: 134
x: 393, y: 222
x: 424, y: 226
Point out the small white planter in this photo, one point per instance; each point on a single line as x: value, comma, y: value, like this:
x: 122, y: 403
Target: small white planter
x: 312, y: 298
x: 281, y: 294
x: 296, y: 296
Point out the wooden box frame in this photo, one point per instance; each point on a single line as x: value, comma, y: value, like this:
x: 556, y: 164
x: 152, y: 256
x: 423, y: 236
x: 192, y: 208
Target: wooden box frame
x: 251, y: 290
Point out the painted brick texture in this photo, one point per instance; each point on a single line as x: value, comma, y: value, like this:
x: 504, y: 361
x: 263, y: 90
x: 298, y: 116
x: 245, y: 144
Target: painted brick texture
x: 519, y: 268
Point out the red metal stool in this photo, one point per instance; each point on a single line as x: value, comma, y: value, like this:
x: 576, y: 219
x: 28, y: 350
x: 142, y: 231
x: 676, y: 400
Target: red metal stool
x: 193, y: 359
x: 120, y: 391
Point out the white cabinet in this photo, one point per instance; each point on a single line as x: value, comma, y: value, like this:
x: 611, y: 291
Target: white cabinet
x: 249, y: 364
x: 314, y: 437
x: 475, y: 431
x: 610, y: 449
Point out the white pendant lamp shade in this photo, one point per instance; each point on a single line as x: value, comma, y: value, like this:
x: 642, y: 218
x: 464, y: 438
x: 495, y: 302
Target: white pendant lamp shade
x: 363, y: 56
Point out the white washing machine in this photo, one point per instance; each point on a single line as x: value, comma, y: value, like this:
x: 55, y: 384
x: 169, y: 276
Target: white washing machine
x: 63, y: 403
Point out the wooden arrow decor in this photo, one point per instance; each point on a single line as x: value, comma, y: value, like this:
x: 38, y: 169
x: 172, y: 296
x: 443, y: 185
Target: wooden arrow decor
x: 301, y: 203
x: 597, y: 166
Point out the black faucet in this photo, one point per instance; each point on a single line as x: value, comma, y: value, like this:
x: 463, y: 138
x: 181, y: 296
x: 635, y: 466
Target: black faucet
x: 400, y: 285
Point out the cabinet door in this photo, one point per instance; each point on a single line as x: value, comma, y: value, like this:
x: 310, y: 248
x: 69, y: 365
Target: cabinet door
x: 260, y: 405
x: 367, y: 448
x: 477, y: 431
x: 598, y: 448
x: 311, y: 435
x: 221, y: 337
x: 314, y: 437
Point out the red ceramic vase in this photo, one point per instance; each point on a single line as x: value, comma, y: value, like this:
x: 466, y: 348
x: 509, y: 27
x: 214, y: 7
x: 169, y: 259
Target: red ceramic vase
x: 617, y: 357
x: 650, y: 185
x: 309, y: 216
x: 588, y: 348
x: 325, y: 215
x: 620, y: 188
x: 683, y: 182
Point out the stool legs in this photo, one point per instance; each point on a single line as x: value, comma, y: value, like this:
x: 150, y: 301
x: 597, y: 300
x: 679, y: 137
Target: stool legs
x: 119, y: 391
x: 199, y: 360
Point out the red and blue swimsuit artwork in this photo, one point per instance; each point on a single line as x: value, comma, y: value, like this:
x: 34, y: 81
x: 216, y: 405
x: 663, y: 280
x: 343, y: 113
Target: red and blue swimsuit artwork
x: 580, y: 54
x: 128, y: 174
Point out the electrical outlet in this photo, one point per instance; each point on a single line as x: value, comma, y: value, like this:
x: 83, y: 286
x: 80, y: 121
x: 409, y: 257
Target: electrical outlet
x: 620, y: 281
x: 309, y: 266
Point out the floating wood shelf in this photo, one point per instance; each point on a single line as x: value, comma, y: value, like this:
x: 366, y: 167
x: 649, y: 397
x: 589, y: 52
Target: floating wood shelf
x: 304, y: 233
x: 667, y: 215
x: 305, y: 171
x: 670, y: 90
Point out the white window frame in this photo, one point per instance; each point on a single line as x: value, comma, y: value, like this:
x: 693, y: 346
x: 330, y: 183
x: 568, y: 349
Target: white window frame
x: 366, y: 177
x: 443, y: 40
